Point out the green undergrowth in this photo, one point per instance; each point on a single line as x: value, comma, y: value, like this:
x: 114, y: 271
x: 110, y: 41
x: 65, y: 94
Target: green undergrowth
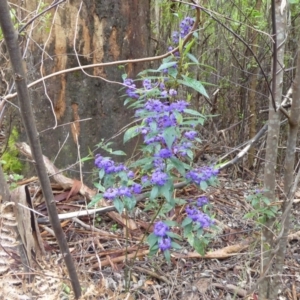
x: 10, y: 161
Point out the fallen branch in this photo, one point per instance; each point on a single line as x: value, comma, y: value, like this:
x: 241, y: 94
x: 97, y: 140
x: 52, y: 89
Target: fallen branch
x: 65, y: 182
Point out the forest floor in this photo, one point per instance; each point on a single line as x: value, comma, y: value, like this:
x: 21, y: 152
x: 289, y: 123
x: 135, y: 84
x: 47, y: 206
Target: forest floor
x: 100, y: 249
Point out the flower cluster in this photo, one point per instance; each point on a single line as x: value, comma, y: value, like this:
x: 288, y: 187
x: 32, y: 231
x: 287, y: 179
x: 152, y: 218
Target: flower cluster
x: 111, y: 168
x: 185, y: 27
x: 161, y: 230
x: 201, y: 174
x: 197, y: 216
x: 164, y: 115
x: 159, y: 116
x: 131, y: 88
x: 109, y: 165
x: 202, y: 201
x: 122, y: 191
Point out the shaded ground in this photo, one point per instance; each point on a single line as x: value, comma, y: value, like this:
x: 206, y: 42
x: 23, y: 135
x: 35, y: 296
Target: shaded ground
x: 98, y: 244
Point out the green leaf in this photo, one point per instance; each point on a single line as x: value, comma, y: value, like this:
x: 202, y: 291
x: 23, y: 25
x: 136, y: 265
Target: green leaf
x: 203, y: 185
x: 187, y: 230
x: 186, y: 222
x: 171, y: 223
x: 192, y: 58
x: 154, y: 192
x: 188, y: 47
x: 200, y: 232
x: 199, y: 246
x: 153, y: 251
x: 169, y: 136
x: 166, y: 65
x: 173, y: 72
x: 167, y: 256
x: 129, y: 203
x: 178, y: 117
x: 190, y: 239
x: 119, y: 205
x: 193, y: 112
x: 152, y: 240
x: 174, y: 235
x: 131, y: 133
x: 179, y: 165
x: 100, y: 187
x: 174, y: 245
x: 101, y: 173
x: 190, y: 154
x: 194, y: 84
x: 118, y: 152
x: 86, y: 159
x: 108, y: 181
x: 95, y: 200
x: 167, y: 191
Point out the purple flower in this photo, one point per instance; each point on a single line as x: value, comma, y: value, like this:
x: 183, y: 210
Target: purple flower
x: 160, y: 229
x: 165, y: 243
x: 152, y: 140
x: 145, y: 179
x: 159, y: 178
x: 129, y: 83
x: 167, y: 120
x: 191, y: 134
x: 201, y: 174
x: 132, y: 94
x: 172, y: 92
x: 182, y: 148
x: 149, y: 120
x: 154, y: 105
x: 130, y: 174
x: 179, y: 106
x: 175, y: 37
x: 162, y: 86
x: 111, y: 194
x: 144, y: 130
x: 195, y: 176
x: 110, y: 169
x: 165, y: 153
x: 98, y: 160
x: 159, y: 164
x: 185, y: 26
x: 124, y: 191
x: 120, y: 168
x: 136, y: 188
x: 199, y: 217
x: 202, y: 201
x: 164, y: 94
x: 147, y: 84
x: 105, y: 163
x: 131, y: 88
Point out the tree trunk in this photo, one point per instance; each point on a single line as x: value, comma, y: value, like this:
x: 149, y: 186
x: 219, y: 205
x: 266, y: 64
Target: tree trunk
x: 253, y: 84
x: 83, y: 33
x: 267, y: 283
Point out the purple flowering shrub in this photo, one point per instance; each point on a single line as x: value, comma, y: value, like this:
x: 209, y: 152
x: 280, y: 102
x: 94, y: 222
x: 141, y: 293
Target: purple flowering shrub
x: 169, y: 131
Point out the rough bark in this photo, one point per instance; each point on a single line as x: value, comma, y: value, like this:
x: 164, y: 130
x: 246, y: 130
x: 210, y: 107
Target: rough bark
x: 268, y: 249
x: 289, y: 183
x: 84, y: 33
